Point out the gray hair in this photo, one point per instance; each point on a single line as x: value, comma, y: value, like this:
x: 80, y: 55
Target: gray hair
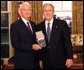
x: 48, y: 4
x: 25, y: 3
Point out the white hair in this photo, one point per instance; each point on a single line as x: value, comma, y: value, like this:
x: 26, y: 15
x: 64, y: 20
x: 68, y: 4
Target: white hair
x: 25, y: 3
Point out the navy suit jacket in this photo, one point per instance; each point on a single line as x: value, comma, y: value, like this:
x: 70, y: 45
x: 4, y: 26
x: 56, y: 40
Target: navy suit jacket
x: 59, y: 48
x: 22, y: 41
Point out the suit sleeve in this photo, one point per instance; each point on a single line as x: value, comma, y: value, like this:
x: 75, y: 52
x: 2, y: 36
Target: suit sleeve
x: 34, y: 39
x: 15, y: 40
x: 39, y: 52
x: 67, y: 41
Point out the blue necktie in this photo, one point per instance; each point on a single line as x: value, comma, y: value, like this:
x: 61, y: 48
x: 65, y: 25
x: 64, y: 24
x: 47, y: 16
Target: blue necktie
x: 48, y: 31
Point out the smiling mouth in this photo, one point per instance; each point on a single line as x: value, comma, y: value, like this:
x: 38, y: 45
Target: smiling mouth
x: 48, y: 15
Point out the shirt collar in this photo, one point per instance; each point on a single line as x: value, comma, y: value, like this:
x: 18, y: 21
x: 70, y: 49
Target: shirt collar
x: 24, y: 20
x: 51, y: 21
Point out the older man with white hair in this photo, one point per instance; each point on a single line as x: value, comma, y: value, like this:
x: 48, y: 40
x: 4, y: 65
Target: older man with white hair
x: 23, y: 39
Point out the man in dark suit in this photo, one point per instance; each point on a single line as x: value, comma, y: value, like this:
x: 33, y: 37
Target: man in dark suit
x: 58, y: 53
x: 23, y: 39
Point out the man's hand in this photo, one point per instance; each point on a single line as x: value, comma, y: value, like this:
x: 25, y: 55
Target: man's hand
x: 69, y: 63
x: 41, y: 64
x: 36, y: 47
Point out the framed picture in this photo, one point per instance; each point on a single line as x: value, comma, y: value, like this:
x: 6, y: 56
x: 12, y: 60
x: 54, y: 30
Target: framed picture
x: 74, y: 39
x: 80, y: 40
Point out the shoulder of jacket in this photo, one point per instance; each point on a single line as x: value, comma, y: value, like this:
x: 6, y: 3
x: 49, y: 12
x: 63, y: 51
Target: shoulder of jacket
x: 15, y: 23
x: 61, y: 22
x: 32, y: 22
x: 41, y: 23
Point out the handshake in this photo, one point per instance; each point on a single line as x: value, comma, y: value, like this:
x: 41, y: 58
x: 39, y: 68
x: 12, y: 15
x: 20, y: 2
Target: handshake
x: 41, y: 41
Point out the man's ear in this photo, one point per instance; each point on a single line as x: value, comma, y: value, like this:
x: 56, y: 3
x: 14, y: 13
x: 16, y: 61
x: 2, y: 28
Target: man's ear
x: 20, y: 11
x: 42, y: 12
x: 53, y: 11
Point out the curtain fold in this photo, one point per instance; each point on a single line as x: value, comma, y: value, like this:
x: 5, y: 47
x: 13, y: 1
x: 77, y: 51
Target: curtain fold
x: 77, y: 17
x: 36, y: 11
x: 14, y: 9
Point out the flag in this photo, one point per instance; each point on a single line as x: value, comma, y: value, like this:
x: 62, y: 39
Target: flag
x: 19, y: 15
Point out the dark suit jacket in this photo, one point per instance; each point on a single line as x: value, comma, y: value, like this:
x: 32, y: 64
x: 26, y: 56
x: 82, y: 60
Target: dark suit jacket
x: 59, y: 48
x: 22, y: 40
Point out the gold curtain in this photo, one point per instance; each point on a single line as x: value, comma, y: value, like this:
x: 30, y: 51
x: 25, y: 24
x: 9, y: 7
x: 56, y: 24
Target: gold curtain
x: 14, y: 9
x: 36, y: 11
x: 77, y: 17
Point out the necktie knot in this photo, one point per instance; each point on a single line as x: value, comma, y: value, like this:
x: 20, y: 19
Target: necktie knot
x: 27, y: 23
x: 48, y: 24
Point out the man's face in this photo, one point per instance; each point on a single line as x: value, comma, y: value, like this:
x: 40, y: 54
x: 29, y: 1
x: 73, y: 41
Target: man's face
x: 48, y: 12
x: 26, y: 11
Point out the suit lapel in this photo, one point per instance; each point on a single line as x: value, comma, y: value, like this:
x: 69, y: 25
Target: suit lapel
x: 33, y: 27
x: 54, y: 27
x: 44, y: 31
x: 24, y: 26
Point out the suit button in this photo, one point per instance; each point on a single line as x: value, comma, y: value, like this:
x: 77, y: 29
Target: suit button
x: 49, y: 47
